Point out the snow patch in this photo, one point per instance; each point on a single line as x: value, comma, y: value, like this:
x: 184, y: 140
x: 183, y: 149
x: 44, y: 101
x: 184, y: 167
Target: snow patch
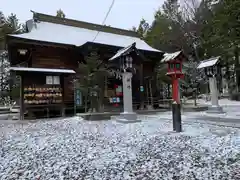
x: 75, y: 149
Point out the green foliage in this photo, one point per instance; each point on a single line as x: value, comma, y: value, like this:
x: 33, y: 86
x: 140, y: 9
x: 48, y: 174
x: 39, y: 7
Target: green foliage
x: 201, y: 29
x: 60, y: 13
x: 222, y: 32
x: 91, y: 77
x: 142, y: 29
x: 9, y: 25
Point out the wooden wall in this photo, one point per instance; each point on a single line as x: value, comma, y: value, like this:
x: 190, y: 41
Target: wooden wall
x: 58, y: 58
x: 47, y: 57
x: 66, y: 58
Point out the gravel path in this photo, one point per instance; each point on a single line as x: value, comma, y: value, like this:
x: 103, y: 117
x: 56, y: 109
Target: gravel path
x: 77, y: 149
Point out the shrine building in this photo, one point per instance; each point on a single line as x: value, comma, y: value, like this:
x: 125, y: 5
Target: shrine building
x: 46, y: 59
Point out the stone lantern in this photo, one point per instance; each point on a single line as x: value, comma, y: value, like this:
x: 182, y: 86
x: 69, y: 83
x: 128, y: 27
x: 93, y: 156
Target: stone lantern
x: 175, y: 72
x: 123, y: 63
x: 174, y: 61
x: 212, y: 70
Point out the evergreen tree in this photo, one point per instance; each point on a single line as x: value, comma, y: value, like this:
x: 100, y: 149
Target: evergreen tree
x: 4, y: 77
x: 142, y: 29
x: 90, y: 79
x: 202, y: 29
x: 8, y: 25
x: 60, y: 13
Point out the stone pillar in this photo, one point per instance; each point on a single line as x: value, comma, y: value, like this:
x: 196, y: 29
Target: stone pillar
x: 215, y: 108
x: 127, y: 91
x: 213, y: 91
x: 128, y: 116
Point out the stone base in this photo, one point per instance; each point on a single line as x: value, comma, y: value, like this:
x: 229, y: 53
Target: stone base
x: 127, y: 117
x: 149, y: 107
x: 215, y: 110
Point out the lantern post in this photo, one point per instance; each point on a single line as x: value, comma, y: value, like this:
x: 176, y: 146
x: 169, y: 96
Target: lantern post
x: 123, y: 61
x: 212, y: 69
x: 174, y: 61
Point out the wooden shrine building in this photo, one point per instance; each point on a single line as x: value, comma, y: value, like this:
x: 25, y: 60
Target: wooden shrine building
x: 47, y: 57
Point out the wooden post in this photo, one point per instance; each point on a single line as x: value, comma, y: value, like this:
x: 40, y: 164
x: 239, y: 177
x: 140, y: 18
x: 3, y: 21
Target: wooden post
x: 47, y: 112
x: 147, y: 91
x: 150, y: 91
x: 176, y: 107
x: 74, y: 91
x: 141, y: 84
x: 63, y: 93
x: 21, y: 79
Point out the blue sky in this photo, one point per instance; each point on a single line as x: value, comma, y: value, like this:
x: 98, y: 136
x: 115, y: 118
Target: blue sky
x: 124, y: 14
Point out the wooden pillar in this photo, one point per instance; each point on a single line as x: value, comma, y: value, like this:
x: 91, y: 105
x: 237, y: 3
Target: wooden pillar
x: 62, y: 86
x: 21, y: 104
x: 150, y: 91
x: 141, y: 84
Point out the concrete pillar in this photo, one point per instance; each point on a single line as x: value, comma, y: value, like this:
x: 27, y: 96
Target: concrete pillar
x: 213, y: 91
x: 215, y: 108
x: 128, y: 116
x: 127, y: 91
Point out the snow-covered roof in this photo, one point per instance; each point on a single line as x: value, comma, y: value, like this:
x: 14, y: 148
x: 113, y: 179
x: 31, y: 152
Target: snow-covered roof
x: 64, y: 34
x: 208, y: 62
x: 122, y: 52
x: 170, y: 56
x: 67, y: 71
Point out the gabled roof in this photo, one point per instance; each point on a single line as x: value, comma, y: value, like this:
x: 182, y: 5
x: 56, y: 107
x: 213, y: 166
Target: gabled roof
x: 209, y: 62
x: 58, y: 30
x: 171, y: 56
x: 123, y: 51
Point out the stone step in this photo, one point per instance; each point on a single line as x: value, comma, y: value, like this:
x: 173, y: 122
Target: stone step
x: 9, y: 116
x: 139, y: 117
x: 4, y: 110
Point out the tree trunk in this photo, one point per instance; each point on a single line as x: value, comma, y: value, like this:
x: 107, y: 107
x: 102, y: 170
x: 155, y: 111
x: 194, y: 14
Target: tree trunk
x: 168, y: 91
x: 86, y: 103
x: 100, y: 101
x: 237, y: 67
x: 195, y: 98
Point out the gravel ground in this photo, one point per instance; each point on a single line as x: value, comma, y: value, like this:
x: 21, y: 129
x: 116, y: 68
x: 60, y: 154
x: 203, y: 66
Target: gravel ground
x: 77, y: 149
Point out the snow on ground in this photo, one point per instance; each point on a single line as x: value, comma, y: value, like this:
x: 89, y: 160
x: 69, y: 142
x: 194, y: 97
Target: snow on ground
x: 222, y: 102
x: 77, y: 149
x: 231, y: 109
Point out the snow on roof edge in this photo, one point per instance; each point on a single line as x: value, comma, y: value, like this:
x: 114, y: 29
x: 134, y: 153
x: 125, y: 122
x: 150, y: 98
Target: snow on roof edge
x: 170, y: 56
x: 208, y: 62
x: 18, y: 36
x: 121, y: 51
x: 68, y: 71
x: 36, y: 32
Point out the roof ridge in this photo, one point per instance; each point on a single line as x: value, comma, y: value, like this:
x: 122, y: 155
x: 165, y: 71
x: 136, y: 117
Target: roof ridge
x: 82, y: 24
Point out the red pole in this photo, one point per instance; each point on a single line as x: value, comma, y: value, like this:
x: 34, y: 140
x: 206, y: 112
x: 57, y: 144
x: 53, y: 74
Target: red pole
x: 175, y: 90
x: 176, y: 109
